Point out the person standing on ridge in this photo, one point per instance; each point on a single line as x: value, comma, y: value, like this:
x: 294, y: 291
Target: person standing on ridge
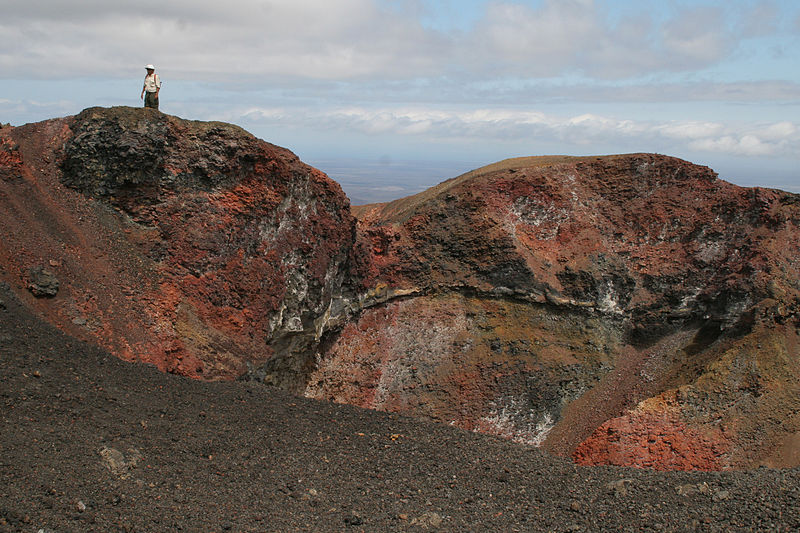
x: 152, y: 85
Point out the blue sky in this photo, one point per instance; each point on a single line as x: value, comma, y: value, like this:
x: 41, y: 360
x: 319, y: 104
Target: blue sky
x: 391, y: 96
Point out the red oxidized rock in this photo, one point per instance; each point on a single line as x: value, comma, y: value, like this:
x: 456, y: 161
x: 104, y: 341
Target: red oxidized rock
x: 655, y: 439
x: 193, y: 246
x: 542, y: 299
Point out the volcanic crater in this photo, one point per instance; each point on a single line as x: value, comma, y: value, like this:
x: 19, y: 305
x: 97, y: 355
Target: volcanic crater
x: 629, y: 310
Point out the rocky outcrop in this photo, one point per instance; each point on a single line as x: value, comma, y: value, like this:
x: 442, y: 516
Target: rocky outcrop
x: 630, y: 310
x: 42, y: 284
x: 190, y: 245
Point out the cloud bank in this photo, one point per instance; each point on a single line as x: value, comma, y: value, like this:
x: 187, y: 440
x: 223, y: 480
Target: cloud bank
x: 515, y: 126
x: 366, y: 39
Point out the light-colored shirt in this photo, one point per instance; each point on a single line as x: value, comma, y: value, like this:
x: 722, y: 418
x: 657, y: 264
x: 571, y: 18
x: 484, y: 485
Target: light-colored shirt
x: 152, y: 83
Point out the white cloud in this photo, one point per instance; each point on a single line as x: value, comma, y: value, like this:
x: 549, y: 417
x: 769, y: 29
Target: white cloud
x: 10, y: 109
x: 697, y: 37
x: 691, y: 130
x: 340, y: 39
x: 544, y: 41
x: 748, y: 145
x: 761, y: 20
x: 781, y: 138
x: 489, y: 125
x: 352, y: 40
x: 778, y: 131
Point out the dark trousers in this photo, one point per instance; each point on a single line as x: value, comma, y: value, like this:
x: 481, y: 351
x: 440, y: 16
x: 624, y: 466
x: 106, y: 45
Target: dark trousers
x: 151, y: 100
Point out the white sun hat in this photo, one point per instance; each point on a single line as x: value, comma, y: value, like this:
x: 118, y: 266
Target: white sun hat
x: 149, y: 67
